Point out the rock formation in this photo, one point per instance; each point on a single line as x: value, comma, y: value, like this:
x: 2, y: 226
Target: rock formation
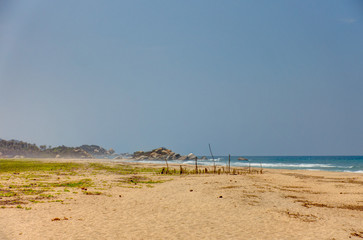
x: 161, y: 154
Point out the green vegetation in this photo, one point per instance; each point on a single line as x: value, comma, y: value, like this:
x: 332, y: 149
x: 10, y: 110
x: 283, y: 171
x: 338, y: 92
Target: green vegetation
x: 139, y: 179
x: 65, y: 168
x: 75, y: 184
x: 122, y: 169
x: 7, y: 193
x: 17, y: 166
x: 46, y: 196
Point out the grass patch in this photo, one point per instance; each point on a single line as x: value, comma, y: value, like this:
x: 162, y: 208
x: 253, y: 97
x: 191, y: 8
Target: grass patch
x: 122, y: 169
x: 46, y: 196
x: 75, y: 184
x: 35, y: 201
x: 139, y: 179
x: 7, y: 193
x: 31, y: 191
x: 17, y: 166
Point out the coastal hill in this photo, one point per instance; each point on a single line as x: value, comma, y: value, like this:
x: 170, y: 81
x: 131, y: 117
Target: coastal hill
x: 20, y: 149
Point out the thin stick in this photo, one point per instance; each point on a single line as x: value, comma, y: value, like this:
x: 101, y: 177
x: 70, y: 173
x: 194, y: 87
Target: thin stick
x: 261, y: 167
x: 214, y: 162
x: 167, y: 165
x: 229, y: 162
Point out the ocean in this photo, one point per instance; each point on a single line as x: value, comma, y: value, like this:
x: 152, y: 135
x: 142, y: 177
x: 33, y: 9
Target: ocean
x: 321, y: 163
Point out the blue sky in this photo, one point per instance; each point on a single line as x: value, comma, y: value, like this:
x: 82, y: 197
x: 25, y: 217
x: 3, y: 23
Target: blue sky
x: 249, y: 77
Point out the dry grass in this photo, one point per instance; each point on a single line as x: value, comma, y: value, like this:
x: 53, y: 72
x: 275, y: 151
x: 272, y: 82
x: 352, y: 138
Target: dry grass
x: 355, y: 233
x: 302, y: 217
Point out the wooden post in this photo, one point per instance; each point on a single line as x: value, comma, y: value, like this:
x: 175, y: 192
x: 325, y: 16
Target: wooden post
x: 167, y: 165
x: 196, y: 165
x: 261, y: 167
x: 214, y: 161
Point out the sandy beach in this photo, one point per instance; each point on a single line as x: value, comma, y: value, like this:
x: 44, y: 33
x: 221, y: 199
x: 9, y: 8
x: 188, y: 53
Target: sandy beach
x: 278, y: 204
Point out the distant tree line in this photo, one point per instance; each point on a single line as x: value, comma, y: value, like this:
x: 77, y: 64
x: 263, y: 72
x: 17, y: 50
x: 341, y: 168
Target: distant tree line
x: 13, y: 148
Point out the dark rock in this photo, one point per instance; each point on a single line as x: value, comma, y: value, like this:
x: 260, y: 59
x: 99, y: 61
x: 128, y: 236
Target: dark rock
x: 156, y: 154
x: 182, y: 158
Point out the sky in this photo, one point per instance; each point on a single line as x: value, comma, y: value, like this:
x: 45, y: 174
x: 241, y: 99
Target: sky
x: 249, y: 77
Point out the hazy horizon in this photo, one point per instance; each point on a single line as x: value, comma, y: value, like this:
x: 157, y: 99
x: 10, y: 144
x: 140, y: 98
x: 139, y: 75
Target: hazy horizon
x: 266, y: 78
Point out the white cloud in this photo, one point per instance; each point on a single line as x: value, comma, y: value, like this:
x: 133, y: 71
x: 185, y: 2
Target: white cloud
x: 348, y: 20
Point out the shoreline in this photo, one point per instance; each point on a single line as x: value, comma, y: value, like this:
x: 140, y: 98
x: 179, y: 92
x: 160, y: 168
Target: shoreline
x: 129, y: 161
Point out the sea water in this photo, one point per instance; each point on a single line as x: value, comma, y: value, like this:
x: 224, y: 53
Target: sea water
x: 321, y: 163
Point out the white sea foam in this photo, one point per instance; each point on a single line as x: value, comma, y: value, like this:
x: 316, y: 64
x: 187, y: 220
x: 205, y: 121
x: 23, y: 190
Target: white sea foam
x: 223, y: 162
x: 360, y: 171
x: 283, y: 165
x: 211, y: 160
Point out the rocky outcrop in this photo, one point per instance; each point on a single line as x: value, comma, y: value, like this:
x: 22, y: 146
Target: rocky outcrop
x: 161, y: 154
x: 97, y: 151
x: 66, y: 152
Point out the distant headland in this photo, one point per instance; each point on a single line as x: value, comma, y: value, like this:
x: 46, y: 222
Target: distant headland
x: 21, y: 149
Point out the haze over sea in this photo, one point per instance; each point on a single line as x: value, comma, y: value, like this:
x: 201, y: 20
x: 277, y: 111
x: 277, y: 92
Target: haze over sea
x: 322, y: 163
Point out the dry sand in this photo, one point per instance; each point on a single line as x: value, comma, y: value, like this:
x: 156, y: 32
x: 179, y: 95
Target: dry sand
x: 278, y: 204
